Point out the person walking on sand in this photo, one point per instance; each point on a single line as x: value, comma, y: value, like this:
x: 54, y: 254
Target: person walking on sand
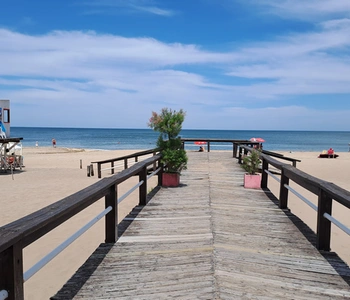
x: 54, y: 143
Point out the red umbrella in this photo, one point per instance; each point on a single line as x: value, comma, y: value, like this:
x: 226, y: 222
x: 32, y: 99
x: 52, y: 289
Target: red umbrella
x: 200, y: 143
x: 259, y: 140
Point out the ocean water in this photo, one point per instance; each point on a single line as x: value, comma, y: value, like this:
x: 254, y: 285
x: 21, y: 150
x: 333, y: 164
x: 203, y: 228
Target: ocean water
x: 114, y: 139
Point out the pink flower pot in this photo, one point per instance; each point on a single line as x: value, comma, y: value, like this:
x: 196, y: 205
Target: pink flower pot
x: 170, y: 179
x: 252, y: 181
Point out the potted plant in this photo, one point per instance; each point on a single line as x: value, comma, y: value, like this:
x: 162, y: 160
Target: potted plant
x: 169, y: 124
x: 251, y: 164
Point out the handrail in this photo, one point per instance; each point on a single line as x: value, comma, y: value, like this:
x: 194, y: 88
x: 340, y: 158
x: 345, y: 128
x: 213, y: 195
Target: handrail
x: 17, y: 235
x: 136, y: 154
x: 125, y: 158
x: 47, y: 258
x: 307, y: 201
x: 235, y: 143
x: 37, y: 224
x: 268, y: 156
x: 327, y: 192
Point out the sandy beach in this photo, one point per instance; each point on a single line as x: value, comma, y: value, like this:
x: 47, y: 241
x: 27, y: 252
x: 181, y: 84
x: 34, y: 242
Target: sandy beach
x: 51, y: 174
x: 336, y: 171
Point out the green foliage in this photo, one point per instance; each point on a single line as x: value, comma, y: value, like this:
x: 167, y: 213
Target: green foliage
x: 251, y: 162
x: 169, y: 124
x: 174, y: 159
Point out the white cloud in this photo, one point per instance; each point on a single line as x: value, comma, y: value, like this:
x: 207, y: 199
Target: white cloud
x: 155, y: 10
x: 306, y: 10
x: 122, y: 6
x: 104, y: 80
x: 310, y: 63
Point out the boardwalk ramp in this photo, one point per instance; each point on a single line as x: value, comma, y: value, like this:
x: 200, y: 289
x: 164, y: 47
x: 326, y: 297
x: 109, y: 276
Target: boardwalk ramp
x: 211, y: 239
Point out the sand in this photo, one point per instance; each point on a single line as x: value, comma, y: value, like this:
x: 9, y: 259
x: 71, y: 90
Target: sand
x: 51, y: 174
x: 336, y: 171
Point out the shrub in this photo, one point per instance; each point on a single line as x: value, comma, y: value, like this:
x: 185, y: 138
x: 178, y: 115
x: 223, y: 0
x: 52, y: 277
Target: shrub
x: 251, y: 162
x: 169, y: 124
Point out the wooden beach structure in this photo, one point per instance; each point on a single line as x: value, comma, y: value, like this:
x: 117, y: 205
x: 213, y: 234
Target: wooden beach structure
x: 208, y: 239
x: 5, y: 118
x: 10, y: 147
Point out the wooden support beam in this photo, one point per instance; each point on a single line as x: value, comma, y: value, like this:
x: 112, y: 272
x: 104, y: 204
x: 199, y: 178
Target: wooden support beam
x: 11, y: 272
x: 283, y: 199
x: 324, y: 225
x: 111, y: 219
x: 143, y: 187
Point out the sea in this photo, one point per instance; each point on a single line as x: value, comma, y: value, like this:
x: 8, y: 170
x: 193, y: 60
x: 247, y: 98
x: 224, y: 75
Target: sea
x: 129, y: 139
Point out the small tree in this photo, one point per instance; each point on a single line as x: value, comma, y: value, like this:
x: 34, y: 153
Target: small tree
x: 251, y: 162
x: 169, y: 124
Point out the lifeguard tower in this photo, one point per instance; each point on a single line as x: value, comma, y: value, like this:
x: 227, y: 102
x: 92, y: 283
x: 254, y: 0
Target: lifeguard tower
x: 4, y: 118
x: 10, y: 148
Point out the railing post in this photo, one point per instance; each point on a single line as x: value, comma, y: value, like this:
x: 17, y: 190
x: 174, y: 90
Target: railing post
x: 112, y: 167
x: 125, y: 163
x: 208, y: 146
x: 143, y: 186
x: 234, y: 150
x: 283, y: 201
x: 11, y: 272
x: 160, y: 173
x: 111, y: 219
x: 239, y: 154
x: 92, y: 170
x: 264, y: 175
x: 155, y: 163
x: 245, y: 153
x: 99, y: 170
x: 323, y: 225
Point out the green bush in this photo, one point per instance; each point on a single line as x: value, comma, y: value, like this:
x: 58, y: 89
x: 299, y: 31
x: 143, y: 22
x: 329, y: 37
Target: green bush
x: 169, y: 124
x: 252, y: 162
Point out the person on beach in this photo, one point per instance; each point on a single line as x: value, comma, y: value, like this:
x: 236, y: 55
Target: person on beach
x: 330, y: 151
x: 54, y: 143
x: 201, y: 149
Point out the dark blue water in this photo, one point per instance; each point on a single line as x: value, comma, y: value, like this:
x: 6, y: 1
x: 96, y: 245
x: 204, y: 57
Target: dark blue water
x: 113, y: 139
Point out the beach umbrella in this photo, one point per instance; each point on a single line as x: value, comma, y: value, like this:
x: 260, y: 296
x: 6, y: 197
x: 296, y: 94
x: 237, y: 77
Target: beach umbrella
x: 199, y: 143
x: 259, y: 140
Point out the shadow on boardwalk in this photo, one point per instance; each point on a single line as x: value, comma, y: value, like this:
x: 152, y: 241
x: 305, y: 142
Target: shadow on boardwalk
x: 72, y: 287
x: 333, y: 259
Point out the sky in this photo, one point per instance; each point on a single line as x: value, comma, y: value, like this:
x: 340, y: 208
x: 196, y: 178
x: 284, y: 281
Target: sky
x: 230, y: 64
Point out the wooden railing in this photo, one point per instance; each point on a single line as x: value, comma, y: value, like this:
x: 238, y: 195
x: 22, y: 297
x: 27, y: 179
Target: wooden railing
x: 125, y: 158
x: 21, y: 233
x: 327, y: 192
x: 235, y: 143
x: 244, y: 151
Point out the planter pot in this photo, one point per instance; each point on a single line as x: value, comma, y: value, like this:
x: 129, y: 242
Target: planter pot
x: 170, y: 179
x: 252, y: 181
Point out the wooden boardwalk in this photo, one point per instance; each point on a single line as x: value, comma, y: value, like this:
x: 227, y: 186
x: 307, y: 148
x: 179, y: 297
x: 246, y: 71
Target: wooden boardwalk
x: 211, y: 239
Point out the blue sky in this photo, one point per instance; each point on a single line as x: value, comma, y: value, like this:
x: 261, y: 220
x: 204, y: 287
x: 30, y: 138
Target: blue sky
x: 230, y: 64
